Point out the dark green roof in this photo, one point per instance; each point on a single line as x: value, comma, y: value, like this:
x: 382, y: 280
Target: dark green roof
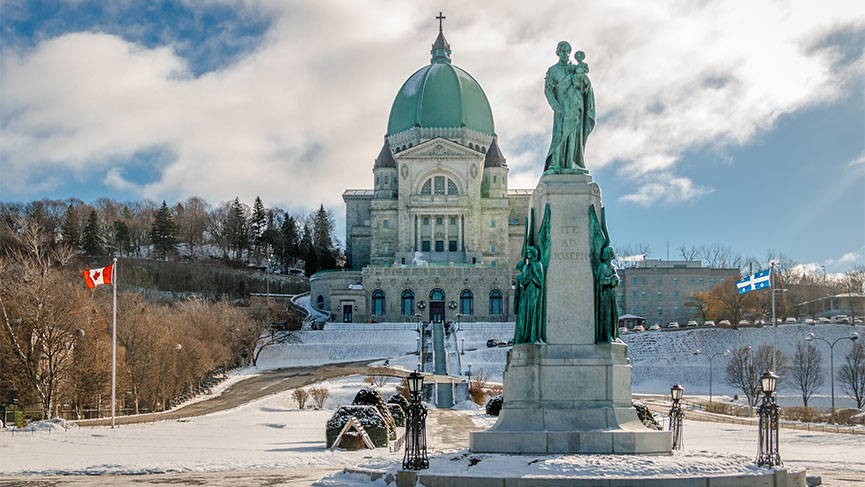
x: 441, y: 95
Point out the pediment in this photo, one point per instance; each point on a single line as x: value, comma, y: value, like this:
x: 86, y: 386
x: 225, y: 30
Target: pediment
x: 438, y: 148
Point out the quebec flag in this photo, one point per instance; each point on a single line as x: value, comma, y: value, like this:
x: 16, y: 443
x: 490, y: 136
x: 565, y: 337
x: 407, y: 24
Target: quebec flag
x: 752, y: 283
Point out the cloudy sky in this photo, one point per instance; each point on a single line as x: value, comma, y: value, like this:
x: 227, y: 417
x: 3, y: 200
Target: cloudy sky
x: 718, y: 121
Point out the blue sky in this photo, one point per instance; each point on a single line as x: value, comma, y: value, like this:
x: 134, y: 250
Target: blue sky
x: 718, y: 122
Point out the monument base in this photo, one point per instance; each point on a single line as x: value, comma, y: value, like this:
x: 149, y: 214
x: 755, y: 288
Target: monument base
x: 569, y: 399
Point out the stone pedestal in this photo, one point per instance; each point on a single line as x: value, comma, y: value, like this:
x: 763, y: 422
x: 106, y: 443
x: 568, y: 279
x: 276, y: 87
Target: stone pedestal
x: 569, y: 395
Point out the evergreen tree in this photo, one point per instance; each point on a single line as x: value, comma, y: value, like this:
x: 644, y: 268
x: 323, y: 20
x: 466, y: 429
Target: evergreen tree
x: 237, y: 228
x: 163, y: 233
x: 71, y: 236
x: 257, y: 225
x: 91, y: 241
x: 121, y: 237
x: 307, y: 251
x: 289, y: 243
x: 322, y: 227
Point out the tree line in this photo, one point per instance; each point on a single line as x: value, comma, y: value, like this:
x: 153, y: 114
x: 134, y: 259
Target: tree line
x: 804, y: 372
x: 55, y: 335
x: 192, y: 229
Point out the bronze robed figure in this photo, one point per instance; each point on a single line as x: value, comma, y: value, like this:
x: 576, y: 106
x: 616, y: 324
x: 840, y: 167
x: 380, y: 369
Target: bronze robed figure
x: 530, y: 283
x: 606, y: 278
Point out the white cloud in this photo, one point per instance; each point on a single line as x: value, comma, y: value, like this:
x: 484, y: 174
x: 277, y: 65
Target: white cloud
x: 859, y: 161
x: 669, y: 190
x: 667, y: 79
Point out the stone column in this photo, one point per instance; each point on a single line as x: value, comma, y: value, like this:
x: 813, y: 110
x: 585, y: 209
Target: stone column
x: 446, y: 221
x: 460, y: 234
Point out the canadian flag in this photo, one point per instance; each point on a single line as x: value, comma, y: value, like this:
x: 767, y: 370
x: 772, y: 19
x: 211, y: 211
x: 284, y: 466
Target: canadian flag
x: 95, y: 277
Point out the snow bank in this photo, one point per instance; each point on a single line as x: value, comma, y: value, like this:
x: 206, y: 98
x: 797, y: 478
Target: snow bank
x: 328, y: 346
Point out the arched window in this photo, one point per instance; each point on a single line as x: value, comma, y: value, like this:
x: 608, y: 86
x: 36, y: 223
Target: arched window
x: 466, y: 302
x: 437, y: 295
x: 378, y: 302
x: 407, y: 304
x: 495, y: 302
x: 319, y: 303
x: 439, y: 183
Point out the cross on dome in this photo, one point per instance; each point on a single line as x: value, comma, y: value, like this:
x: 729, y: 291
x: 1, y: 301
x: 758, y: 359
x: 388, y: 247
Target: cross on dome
x: 440, y: 17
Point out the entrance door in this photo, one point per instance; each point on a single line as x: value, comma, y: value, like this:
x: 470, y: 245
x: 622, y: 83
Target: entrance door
x: 346, y: 313
x: 436, y: 311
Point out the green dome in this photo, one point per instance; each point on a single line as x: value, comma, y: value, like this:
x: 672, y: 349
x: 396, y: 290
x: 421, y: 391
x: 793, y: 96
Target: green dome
x: 441, y: 95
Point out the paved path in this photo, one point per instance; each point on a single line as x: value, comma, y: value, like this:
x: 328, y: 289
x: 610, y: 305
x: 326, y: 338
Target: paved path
x: 444, y: 392
x: 267, y: 383
x: 277, y: 477
x: 448, y: 429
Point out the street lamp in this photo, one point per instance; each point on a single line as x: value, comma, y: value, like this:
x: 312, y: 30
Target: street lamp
x: 767, y: 455
x: 415, y: 446
x: 676, y: 415
x: 459, y: 315
x: 711, y: 356
x: 853, y: 336
x: 463, y: 342
x: 470, y: 371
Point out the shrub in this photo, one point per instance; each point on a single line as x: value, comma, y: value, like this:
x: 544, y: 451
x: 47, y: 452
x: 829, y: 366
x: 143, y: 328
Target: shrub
x: 398, y: 414
x: 495, y: 390
x: 301, y: 396
x: 377, y: 380
x: 646, y: 416
x: 371, y: 397
x: 806, y: 415
x: 399, y: 399
x: 319, y: 395
x: 477, y: 384
x: 367, y: 416
x: 494, y: 405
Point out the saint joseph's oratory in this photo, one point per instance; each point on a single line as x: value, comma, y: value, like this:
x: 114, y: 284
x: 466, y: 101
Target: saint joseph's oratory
x: 440, y: 232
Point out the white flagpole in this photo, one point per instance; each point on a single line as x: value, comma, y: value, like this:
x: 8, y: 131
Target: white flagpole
x: 774, y: 323
x: 114, y: 342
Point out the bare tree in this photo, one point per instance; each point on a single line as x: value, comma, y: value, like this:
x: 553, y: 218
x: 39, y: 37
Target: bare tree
x: 718, y: 255
x: 743, y: 374
x: 852, y: 374
x: 192, y: 222
x: 689, y: 253
x: 747, y: 365
x: 276, y: 325
x: 807, y: 370
x: 632, y: 255
x: 41, y: 310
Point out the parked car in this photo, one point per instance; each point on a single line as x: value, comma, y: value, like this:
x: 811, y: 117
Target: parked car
x: 673, y: 324
x: 823, y: 320
x: 655, y: 327
x: 808, y: 321
x: 724, y: 323
x: 495, y: 342
x: 708, y: 323
x: 692, y: 324
x: 790, y: 320
x: 744, y: 323
x: 638, y: 329
x: 857, y: 321
x: 841, y: 319
x: 622, y: 330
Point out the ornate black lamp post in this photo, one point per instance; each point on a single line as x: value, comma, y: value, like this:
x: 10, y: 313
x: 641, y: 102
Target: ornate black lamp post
x: 415, y: 446
x: 676, y: 416
x: 769, y: 413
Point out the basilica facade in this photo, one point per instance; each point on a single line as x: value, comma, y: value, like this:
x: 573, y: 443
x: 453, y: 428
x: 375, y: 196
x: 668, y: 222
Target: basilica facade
x: 440, y: 233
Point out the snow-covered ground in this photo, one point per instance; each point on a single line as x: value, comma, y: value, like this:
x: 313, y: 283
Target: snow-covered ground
x: 341, y: 345
x: 268, y: 433
x: 273, y: 433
